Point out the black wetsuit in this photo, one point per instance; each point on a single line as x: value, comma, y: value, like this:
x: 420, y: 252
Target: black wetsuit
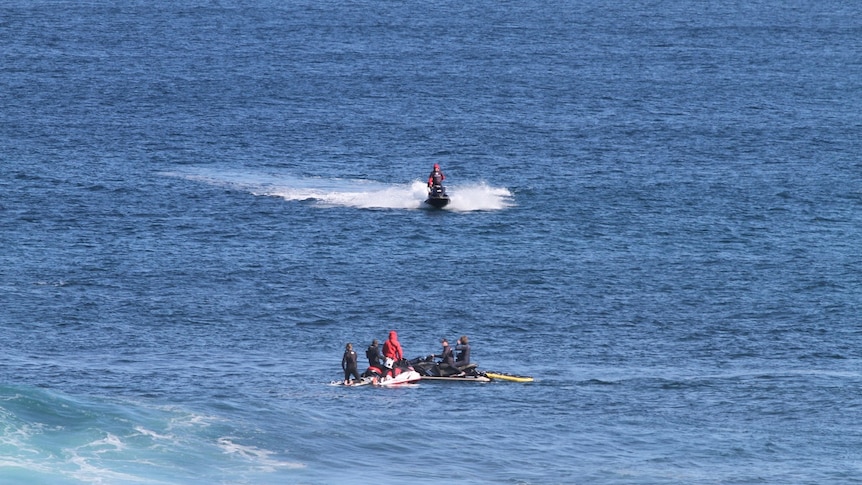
x: 374, y: 356
x: 348, y: 363
x: 447, y: 362
x: 463, y: 355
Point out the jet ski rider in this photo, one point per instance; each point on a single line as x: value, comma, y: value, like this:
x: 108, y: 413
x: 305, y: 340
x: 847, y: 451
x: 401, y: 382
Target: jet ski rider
x: 436, y: 177
x: 447, y: 360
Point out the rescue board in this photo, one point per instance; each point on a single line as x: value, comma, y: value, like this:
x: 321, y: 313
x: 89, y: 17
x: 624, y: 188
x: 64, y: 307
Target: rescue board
x: 361, y: 382
x: 502, y: 376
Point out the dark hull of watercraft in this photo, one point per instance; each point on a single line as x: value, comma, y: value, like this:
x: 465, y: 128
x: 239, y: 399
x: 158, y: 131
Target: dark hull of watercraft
x: 437, y: 197
x: 434, y: 371
x: 437, y: 202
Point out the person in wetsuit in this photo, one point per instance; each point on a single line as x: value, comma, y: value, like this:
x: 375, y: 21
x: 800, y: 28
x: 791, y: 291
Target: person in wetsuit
x: 373, y: 354
x: 375, y: 360
x: 447, y: 360
x: 348, y: 363
x: 463, y: 349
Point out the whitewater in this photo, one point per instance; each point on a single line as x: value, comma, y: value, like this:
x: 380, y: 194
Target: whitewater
x: 358, y: 193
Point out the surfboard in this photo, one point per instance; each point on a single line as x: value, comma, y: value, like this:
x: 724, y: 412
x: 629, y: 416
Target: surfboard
x: 361, y: 382
x: 502, y: 376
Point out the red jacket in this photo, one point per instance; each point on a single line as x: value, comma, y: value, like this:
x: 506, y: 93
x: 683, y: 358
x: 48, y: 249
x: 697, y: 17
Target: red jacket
x: 392, y: 348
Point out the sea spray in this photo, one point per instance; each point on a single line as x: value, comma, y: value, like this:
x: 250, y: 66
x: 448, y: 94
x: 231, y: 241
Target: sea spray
x: 359, y: 193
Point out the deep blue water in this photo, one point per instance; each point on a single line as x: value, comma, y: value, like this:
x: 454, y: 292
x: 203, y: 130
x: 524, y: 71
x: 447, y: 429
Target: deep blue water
x: 657, y: 213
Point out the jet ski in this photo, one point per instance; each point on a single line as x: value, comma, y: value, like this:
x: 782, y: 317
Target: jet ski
x: 406, y: 377
x: 392, y: 374
x: 437, y: 197
x: 432, y: 371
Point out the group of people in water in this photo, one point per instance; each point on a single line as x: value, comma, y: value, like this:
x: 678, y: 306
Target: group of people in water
x: 384, y: 360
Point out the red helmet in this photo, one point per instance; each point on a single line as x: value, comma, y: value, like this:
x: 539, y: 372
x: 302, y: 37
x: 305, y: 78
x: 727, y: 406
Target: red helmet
x: 436, y: 166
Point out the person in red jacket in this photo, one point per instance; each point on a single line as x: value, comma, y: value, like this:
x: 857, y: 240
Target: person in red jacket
x: 392, y: 353
x: 436, y: 177
x: 392, y: 348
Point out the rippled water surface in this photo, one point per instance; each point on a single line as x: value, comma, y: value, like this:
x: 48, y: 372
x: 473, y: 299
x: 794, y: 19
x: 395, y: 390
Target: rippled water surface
x: 656, y: 212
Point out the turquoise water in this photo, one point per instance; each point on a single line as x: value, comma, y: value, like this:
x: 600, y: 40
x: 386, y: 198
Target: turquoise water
x: 655, y: 212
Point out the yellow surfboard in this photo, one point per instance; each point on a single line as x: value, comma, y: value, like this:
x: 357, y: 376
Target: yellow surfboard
x: 508, y: 377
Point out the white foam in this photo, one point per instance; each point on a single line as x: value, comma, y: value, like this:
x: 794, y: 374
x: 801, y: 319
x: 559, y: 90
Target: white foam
x: 359, y: 193
x: 153, y: 434
x: 109, y: 443
x: 93, y: 468
x: 259, y: 457
x: 479, y: 197
x: 18, y: 436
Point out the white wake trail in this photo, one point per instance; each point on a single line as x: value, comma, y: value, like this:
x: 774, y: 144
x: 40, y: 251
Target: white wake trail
x: 359, y: 193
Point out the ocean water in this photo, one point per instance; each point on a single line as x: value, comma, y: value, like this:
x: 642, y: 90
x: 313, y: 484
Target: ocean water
x: 656, y: 212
